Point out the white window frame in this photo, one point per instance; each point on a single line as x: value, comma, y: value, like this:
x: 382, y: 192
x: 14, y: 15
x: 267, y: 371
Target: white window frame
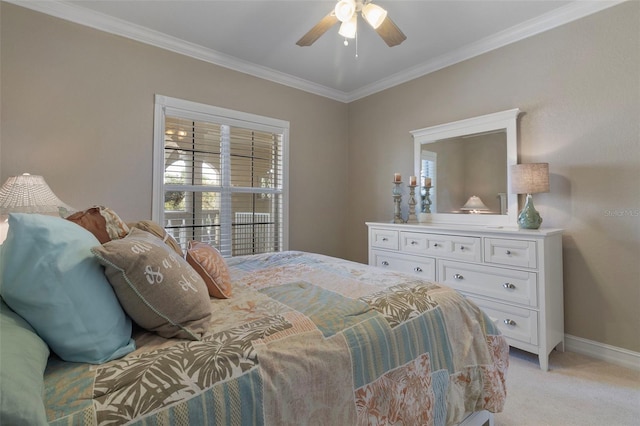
x: 433, y: 174
x: 174, y: 107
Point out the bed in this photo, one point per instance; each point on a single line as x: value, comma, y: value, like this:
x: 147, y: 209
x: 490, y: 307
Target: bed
x: 302, y: 338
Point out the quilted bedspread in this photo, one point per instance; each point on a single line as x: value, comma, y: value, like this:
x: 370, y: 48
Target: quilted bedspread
x: 305, y: 339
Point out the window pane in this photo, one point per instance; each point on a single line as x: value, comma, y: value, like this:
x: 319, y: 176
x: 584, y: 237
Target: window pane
x: 192, y: 153
x: 174, y: 201
x: 200, y: 221
x: 254, y: 155
x: 255, y: 223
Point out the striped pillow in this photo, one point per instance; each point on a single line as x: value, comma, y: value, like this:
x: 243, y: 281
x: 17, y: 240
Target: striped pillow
x: 212, y: 267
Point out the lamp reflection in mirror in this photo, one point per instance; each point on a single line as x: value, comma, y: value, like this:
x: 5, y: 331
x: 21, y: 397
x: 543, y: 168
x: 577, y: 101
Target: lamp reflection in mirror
x: 28, y: 194
x: 474, y: 205
x: 529, y: 179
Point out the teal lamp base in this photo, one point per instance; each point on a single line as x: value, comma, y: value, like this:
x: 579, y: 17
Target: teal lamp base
x: 529, y: 218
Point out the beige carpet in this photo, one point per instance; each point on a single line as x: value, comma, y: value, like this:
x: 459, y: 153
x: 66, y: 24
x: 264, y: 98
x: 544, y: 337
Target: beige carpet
x: 577, y: 390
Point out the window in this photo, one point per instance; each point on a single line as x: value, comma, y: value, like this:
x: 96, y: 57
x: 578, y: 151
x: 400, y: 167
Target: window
x: 219, y: 177
x: 428, y: 163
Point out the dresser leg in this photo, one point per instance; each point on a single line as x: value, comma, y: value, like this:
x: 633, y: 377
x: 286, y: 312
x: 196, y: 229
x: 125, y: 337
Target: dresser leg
x: 544, y: 361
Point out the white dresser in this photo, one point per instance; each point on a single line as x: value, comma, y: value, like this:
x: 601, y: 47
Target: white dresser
x: 514, y: 275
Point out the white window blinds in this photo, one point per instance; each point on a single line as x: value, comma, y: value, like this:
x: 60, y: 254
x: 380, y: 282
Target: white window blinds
x: 220, y: 177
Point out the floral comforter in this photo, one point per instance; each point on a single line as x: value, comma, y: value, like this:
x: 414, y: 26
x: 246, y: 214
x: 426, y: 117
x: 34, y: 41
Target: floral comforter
x: 305, y: 339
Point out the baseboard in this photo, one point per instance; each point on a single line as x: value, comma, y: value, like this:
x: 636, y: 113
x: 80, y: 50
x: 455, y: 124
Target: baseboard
x: 603, y: 352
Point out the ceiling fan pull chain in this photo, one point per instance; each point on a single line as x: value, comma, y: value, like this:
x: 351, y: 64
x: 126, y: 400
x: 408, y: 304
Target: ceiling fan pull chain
x: 356, y: 44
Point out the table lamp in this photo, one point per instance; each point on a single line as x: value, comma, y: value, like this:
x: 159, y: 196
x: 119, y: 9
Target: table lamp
x: 474, y: 205
x: 28, y: 194
x: 529, y: 179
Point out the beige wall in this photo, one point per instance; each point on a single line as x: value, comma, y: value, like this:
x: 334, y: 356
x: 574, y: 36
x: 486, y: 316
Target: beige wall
x: 579, y: 89
x: 77, y: 107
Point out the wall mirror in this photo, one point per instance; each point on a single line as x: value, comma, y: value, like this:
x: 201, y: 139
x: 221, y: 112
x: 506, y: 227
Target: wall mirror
x: 464, y: 170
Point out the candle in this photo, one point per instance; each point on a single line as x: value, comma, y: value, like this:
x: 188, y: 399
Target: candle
x: 427, y: 182
x: 412, y: 181
x: 397, y: 177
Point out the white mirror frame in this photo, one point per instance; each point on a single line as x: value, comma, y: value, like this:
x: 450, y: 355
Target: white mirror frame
x: 486, y: 123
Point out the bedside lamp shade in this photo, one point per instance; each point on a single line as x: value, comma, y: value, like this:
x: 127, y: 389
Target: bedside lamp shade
x: 29, y: 194
x: 529, y: 179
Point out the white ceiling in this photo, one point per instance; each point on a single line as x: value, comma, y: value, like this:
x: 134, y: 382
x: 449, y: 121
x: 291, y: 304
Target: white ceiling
x: 258, y: 37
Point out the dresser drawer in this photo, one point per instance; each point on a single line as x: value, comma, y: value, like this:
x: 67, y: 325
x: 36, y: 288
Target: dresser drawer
x: 450, y: 246
x: 384, y: 238
x: 515, y: 323
x: 424, y: 267
x: 489, y: 281
x: 510, y: 252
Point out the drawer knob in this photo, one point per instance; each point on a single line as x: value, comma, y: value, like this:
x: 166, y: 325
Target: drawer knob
x: 413, y: 243
x: 385, y: 263
x: 458, y: 277
x: 508, y: 286
x: 385, y: 239
x: 435, y: 244
x: 461, y: 248
x: 417, y: 269
x: 508, y: 252
x: 509, y: 322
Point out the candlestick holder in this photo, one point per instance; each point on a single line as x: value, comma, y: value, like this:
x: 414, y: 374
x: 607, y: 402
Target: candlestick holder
x: 426, y: 201
x: 412, y: 205
x: 397, y: 200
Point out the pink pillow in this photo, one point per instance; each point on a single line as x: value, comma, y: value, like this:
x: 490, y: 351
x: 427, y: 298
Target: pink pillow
x: 212, y: 267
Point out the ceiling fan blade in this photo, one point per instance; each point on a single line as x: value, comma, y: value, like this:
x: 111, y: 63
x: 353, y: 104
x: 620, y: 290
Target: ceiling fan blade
x: 390, y: 33
x: 320, y: 28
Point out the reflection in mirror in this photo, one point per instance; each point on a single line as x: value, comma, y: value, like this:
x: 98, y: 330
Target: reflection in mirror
x: 464, y: 170
x: 467, y: 166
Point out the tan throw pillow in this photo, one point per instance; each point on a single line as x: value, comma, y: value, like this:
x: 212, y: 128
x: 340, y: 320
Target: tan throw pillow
x: 157, y: 288
x: 157, y: 230
x: 212, y: 267
x: 102, y: 222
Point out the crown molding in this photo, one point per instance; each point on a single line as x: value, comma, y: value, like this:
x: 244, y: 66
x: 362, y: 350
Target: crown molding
x: 548, y: 21
x: 79, y: 15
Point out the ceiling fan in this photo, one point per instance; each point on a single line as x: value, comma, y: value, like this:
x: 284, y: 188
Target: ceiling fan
x: 346, y: 11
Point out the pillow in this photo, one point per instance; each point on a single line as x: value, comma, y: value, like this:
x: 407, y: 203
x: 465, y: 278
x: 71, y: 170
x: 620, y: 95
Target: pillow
x: 50, y: 278
x: 102, y: 222
x: 160, y: 232
x: 156, y: 287
x: 212, y: 267
x: 23, y: 358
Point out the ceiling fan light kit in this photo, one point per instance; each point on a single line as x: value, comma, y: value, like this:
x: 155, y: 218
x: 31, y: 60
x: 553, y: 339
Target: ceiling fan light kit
x: 349, y: 28
x: 374, y: 15
x: 345, y: 9
x: 346, y: 12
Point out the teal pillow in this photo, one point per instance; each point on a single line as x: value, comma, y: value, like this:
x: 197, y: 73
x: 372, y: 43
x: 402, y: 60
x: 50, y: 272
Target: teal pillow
x: 23, y: 358
x: 49, y: 276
